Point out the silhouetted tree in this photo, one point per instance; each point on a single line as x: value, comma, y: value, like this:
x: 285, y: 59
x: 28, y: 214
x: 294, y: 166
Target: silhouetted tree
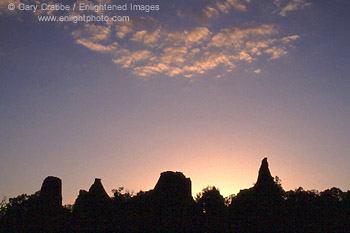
x: 229, y: 199
x: 120, y: 197
x: 302, y: 210
x: 211, y: 201
x: 3, y: 204
x: 213, y: 209
x: 333, y: 210
x: 19, y: 213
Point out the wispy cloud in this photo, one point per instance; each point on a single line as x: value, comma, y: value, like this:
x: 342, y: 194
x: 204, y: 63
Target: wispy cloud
x: 129, y: 59
x: 292, y: 5
x: 96, y: 46
x: 145, y: 37
x: 231, y: 36
x: 93, y: 32
x: 257, y: 71
x: 124, y: 29
x: 224, y: 7
x: 149, y: 46
x: 189, y: 37
x: 189, y: 52
x: 95, y: 38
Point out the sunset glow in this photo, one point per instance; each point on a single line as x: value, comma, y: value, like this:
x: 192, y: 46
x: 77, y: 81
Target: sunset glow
x: 208, y: 88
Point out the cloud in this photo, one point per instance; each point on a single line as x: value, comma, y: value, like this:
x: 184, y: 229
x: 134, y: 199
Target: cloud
x: 194, y: 52
x: 211, y: 60
x: 245, y: 56
x: 224, y: 7
x: 145, y: 37
x: 257, y: 71
x: 96, y: 46
x: 236, y: 4
x: 288, y: 39
x: 189, y: 53
x: 127, y: 58
x: 188, y: 37
x: 232, y: 36
x: 255, y: 47
x: 148, y: 46
x: 93, y: 32
x: 196, y: 35
x: 148, y: 70
x: 124, y: 29
x: 173, y: 55
x: 210, y: 12
x: 276, y: 52
x: 292, y: 6
x: 95, y: 38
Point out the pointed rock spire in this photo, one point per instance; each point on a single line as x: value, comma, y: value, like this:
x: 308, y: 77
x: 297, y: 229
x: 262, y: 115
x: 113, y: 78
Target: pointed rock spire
x: 97, y: 190
x: 92, y: 202
x: 265, y: 180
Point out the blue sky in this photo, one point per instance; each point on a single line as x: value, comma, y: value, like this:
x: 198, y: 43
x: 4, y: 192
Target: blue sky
x: 208, y: 88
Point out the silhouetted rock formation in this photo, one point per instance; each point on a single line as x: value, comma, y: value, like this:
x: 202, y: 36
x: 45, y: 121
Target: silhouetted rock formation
x: 97, y: 191
x: 169, y: 207
x: 173, y: 185
x: 51, y: 193
x: 40, y: 212
x: 265, y: 180
x: 265, y: 184
x: 92, y: 209
x: 261, y: 203
x: 96, y: 195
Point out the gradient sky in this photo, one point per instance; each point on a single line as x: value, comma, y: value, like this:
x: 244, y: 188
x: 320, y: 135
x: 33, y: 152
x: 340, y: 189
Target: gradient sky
x: 208, y: 88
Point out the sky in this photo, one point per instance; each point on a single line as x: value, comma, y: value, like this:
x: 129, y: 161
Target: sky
x: 205, y: 87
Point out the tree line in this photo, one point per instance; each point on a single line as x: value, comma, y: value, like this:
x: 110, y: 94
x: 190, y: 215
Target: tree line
x: 169, y: 207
